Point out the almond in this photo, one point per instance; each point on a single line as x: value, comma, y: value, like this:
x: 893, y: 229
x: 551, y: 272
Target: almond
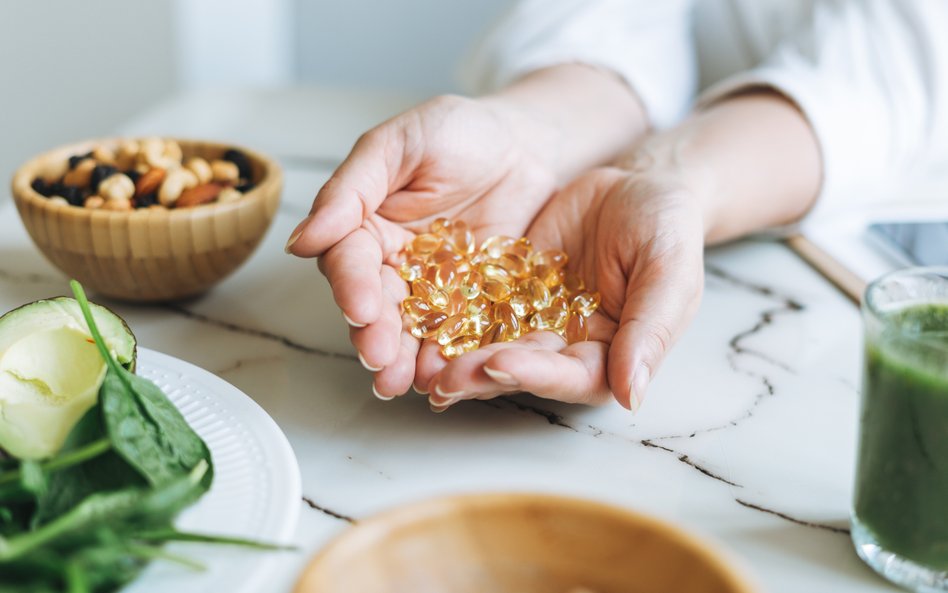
x: 149, y: 182
x: 200, y: 194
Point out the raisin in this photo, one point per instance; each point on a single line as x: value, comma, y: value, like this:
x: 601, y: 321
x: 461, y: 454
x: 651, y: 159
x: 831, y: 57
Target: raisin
x: 74, y: 195
x: 100, y: 173
x: 241, y: 160
x: 40, y: 186
x: 146, y: 200
x: 244, y: 186
x: 133, y: 175
x: 78, y: 158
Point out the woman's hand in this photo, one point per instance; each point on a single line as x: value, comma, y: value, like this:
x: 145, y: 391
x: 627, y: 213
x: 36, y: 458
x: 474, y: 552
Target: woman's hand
x: 492, y: 162
x: 637, y: 238
x: 637, y: 235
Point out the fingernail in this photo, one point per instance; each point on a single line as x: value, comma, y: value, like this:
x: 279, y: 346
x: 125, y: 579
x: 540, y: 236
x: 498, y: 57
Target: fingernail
x: 501, y: 377
x: 384, y: 398
x: 640, y: 381
x: 438, y: 409
x: 351, y: 322
x: 296, y: 234
x: 447, y: 394
x: 441, y: 402
x: 367, y: 366
x: 418, y: 390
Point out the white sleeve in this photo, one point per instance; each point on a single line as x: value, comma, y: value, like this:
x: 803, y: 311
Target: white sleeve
x: 871, y: 77
x: 646, y: 42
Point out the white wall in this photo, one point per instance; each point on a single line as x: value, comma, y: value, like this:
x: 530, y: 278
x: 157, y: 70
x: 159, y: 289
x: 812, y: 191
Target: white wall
x: 400, y: 44
x: 71, y: 70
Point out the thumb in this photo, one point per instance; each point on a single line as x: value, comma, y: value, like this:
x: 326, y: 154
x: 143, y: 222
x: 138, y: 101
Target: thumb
x: 659, y: 303
x: 354, y: 192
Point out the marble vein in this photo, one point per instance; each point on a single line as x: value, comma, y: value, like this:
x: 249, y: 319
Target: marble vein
x: 689, y: 462
x: 257, y: 333
x: 737, y: 349
x: 551, y: 417
x: 328, y: 512
x: 786, y: 517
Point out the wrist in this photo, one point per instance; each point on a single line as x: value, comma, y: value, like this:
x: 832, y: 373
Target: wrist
x: 572, y: 116
x: 669, y: 160
x: 751, y: 161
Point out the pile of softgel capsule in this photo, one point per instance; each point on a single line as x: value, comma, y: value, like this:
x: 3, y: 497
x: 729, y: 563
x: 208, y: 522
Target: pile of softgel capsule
x: 465, y: 296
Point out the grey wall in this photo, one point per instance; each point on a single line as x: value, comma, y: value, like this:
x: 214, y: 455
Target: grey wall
x: 70, y: 70
x: 400, y: 44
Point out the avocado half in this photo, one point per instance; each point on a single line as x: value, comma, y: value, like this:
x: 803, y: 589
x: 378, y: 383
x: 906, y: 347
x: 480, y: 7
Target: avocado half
x: 51, y: 371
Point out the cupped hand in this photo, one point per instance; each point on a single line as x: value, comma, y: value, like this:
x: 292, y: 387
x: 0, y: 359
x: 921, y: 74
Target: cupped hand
x: 450, y: 157
x: 638, y: 238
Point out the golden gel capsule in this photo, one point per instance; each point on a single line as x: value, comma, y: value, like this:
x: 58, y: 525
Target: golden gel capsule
x: 551, y: 318
x: 521, y: 305
x: 585, y: 303
x: 552, y: 277
x: 573, y: 283
x: 428, y: 325
x: 478, y: 304
x: 560, y: 303
x: 416, y: 307
x: 457, y: 303
x: 426, y: 244
x: 445, y: 274
x: 575, y: 330
x: 495, y: 290
x: 439, y: 299
x: 461, y: 237
x: 505, y: 312
x: 460, y: 345
x: 471, y: 285
x: 515, y: 265
x: 476, y: 324
x: 422, y: 288
x: 496, y: 246
x: 522, y: 247
x: 491, y: 271
x: 553, y: 258
x: 449, y: 329
x: 495, y: 332
x: 412, y: 269
x: 439, y: 224
x: 443, y: 255
x: 536, y: 292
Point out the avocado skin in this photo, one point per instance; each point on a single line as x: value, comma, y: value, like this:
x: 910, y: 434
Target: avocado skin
x: 128, y: 362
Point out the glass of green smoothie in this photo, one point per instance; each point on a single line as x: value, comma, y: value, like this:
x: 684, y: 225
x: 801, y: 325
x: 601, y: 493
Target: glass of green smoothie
x: 900, y: 507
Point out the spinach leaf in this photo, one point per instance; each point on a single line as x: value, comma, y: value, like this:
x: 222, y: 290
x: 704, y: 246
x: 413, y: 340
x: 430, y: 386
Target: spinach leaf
x: 100, y: 473
x: 145, y: 428
x: 120, y: 511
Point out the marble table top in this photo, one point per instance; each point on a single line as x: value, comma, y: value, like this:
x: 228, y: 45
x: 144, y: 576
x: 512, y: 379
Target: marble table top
x: 747, y: 436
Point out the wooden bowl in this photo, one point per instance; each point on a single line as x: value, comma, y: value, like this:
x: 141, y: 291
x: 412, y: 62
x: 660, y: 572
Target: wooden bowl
x: 519, y: 543
x: 148, y: 255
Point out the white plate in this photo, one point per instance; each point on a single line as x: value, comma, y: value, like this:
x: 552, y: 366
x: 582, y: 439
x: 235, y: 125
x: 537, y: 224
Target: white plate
x: 256, y: 491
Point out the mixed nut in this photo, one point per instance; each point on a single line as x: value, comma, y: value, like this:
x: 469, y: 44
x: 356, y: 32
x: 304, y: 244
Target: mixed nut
x: 148, y: 173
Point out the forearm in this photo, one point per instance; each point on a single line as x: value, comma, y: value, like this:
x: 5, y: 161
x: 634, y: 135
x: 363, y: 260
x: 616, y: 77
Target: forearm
x: 751, y: 161
x: 572, y: 116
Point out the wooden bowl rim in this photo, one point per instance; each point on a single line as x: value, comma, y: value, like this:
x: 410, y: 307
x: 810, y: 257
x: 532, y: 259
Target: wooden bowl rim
x: 730, y: 567
x: 24, y: 175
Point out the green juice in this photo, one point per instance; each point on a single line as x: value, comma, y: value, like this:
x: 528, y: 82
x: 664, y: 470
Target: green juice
x: 902, y: 474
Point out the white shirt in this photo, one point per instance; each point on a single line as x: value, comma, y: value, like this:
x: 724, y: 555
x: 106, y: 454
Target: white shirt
x: 871, y: 76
